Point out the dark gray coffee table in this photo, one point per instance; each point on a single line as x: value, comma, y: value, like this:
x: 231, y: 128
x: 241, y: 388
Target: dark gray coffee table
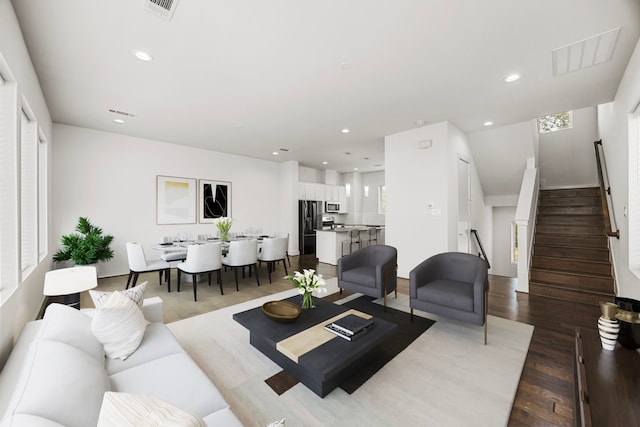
x: 317, y: 358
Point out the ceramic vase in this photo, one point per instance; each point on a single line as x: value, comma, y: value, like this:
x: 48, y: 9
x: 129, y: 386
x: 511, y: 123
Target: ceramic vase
x: 608, y: 325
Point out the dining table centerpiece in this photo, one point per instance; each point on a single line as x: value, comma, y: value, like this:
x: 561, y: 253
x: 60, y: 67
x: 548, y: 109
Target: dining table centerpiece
x: 224, y: 225
x: 307, y: 282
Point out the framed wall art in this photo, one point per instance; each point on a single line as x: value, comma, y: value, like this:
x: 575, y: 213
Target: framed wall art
x: 214, y: 200
x: 175, y: 200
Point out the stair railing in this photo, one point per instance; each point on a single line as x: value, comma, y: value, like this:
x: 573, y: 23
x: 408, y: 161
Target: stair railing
x: 610, y: 225
x: 482, y: 253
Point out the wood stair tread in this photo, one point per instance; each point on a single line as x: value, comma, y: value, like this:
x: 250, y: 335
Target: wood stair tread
x: 555, y: 245
x: 571, y: 272
x: 560, y: 286
x: 566, y: 258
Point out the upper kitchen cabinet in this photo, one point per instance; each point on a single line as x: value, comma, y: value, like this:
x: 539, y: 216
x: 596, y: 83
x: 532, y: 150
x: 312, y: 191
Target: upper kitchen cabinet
x: 311, y: 191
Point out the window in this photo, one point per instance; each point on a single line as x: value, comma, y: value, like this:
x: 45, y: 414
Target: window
x: 634, y: 193
x: 382, y: 199
x: 28, y: 194
x: 555, y: 122
x: 9, y: 119
x: 43, y: 242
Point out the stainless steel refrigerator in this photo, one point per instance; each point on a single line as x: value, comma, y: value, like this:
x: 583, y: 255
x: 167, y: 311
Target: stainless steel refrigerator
x: 310, y: 219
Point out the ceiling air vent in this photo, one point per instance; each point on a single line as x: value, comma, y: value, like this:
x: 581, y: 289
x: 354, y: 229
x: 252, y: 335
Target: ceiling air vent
x: 121, y: 113
x: 161, y: 8
x: 585, y: 53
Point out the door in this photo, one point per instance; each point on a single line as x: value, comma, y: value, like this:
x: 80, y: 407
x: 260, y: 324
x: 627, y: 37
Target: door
x: 464, y: 206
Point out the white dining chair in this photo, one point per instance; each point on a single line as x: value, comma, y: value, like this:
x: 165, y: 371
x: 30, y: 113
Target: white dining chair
x: 138, y: 263
x: 272, y: 251
x: 205, y: 258
x: 285, y: 235
x: 241, y: 254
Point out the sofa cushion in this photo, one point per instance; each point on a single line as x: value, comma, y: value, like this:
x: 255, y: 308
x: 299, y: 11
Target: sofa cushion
x: 135, y: 294
x: 119, y: 326
x: 62, y: 384
x: 448, y: 293
x: 131, y: 410
x: 28, y: 420
x: 70, y: 326
x: 158, y: 341
x: 175, y: 378
x: 365, y: 276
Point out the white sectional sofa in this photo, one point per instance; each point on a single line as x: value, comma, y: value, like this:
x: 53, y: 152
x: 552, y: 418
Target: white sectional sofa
x: 57, y: 373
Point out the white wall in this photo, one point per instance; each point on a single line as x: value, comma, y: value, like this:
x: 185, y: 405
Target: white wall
x: 567, y: 157
x: 501, y: 263
x: 111, y: 179
x: 501, y: 154
x: 417, y: 177
x: 370, y: 215
x: 613, y: 125
x: 23, y: 304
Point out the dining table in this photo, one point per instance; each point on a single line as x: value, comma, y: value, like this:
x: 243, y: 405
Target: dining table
x: 181, y: 245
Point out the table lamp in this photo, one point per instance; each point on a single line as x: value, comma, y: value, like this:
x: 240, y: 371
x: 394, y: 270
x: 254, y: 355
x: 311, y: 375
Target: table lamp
x: 70, y: 282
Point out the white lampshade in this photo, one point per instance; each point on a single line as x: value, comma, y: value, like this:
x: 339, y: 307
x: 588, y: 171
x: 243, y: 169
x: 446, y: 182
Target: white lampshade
x: 72, y: 280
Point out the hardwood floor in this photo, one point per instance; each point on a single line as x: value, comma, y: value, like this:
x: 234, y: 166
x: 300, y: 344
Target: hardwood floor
x: 545, y: 392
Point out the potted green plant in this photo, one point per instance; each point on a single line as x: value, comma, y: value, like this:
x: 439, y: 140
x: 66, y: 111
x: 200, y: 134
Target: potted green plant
x: 87, y: 246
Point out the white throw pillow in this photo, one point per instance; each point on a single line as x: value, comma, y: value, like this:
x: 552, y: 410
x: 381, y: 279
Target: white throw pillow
x: 136, y: 410
x: 135, y: 294
x: 119, y: 326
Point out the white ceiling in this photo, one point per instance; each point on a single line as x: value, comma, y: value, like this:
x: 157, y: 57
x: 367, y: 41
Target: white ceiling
x: 251, y: 77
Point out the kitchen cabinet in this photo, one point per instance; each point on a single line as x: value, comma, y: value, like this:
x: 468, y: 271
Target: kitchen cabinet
x: 311, y: 191
x: 323, y: 192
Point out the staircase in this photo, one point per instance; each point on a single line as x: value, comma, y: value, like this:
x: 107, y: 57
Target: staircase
x: 571, y: 250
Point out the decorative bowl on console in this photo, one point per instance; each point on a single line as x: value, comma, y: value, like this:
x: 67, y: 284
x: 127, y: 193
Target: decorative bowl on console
x: 281, y: 311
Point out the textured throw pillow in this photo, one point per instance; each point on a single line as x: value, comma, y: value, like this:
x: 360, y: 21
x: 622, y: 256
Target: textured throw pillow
x: 135, y: 294
x: 135, y: 410
x: 119, y: 325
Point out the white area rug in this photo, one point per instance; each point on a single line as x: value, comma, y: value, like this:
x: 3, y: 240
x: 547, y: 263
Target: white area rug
x: 446, y: 377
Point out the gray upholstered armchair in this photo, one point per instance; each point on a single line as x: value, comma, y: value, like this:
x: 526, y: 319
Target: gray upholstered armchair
x: 452, y: 285
x: 370, y: 271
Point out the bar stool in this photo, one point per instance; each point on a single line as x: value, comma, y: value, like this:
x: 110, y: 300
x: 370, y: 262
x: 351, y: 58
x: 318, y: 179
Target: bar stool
x: 354, y: 236
x: 373, y: 236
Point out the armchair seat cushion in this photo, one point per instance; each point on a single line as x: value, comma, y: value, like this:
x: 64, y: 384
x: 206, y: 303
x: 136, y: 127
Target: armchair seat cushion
x: 364, y: 276
x: 448, y: 293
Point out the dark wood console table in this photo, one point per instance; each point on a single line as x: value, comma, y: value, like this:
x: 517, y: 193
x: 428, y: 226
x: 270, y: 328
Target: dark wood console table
x: 607, y: 383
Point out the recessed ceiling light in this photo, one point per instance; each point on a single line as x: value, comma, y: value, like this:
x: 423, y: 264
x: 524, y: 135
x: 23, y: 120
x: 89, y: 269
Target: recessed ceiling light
x: 511, y: 78
x: 355, y: 169
x: 325, y: 163
x: 119, y: 121
x: 142, y: 55
x: 275, y: 153
x: 487, y: 123
x: 345, y: 130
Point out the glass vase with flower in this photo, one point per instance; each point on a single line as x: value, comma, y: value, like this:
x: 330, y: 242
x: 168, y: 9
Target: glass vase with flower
x: 307, y: 282
x: 224, y: 225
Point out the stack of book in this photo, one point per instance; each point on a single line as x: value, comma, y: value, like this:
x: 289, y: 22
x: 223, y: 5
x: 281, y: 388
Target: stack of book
x: 350, y: 327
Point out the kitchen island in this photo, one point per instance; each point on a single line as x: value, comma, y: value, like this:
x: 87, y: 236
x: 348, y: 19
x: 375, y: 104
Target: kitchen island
x: 329, y: 242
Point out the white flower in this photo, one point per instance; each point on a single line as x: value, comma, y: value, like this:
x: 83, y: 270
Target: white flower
x: 308, y: 281
x: 223, y: 224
